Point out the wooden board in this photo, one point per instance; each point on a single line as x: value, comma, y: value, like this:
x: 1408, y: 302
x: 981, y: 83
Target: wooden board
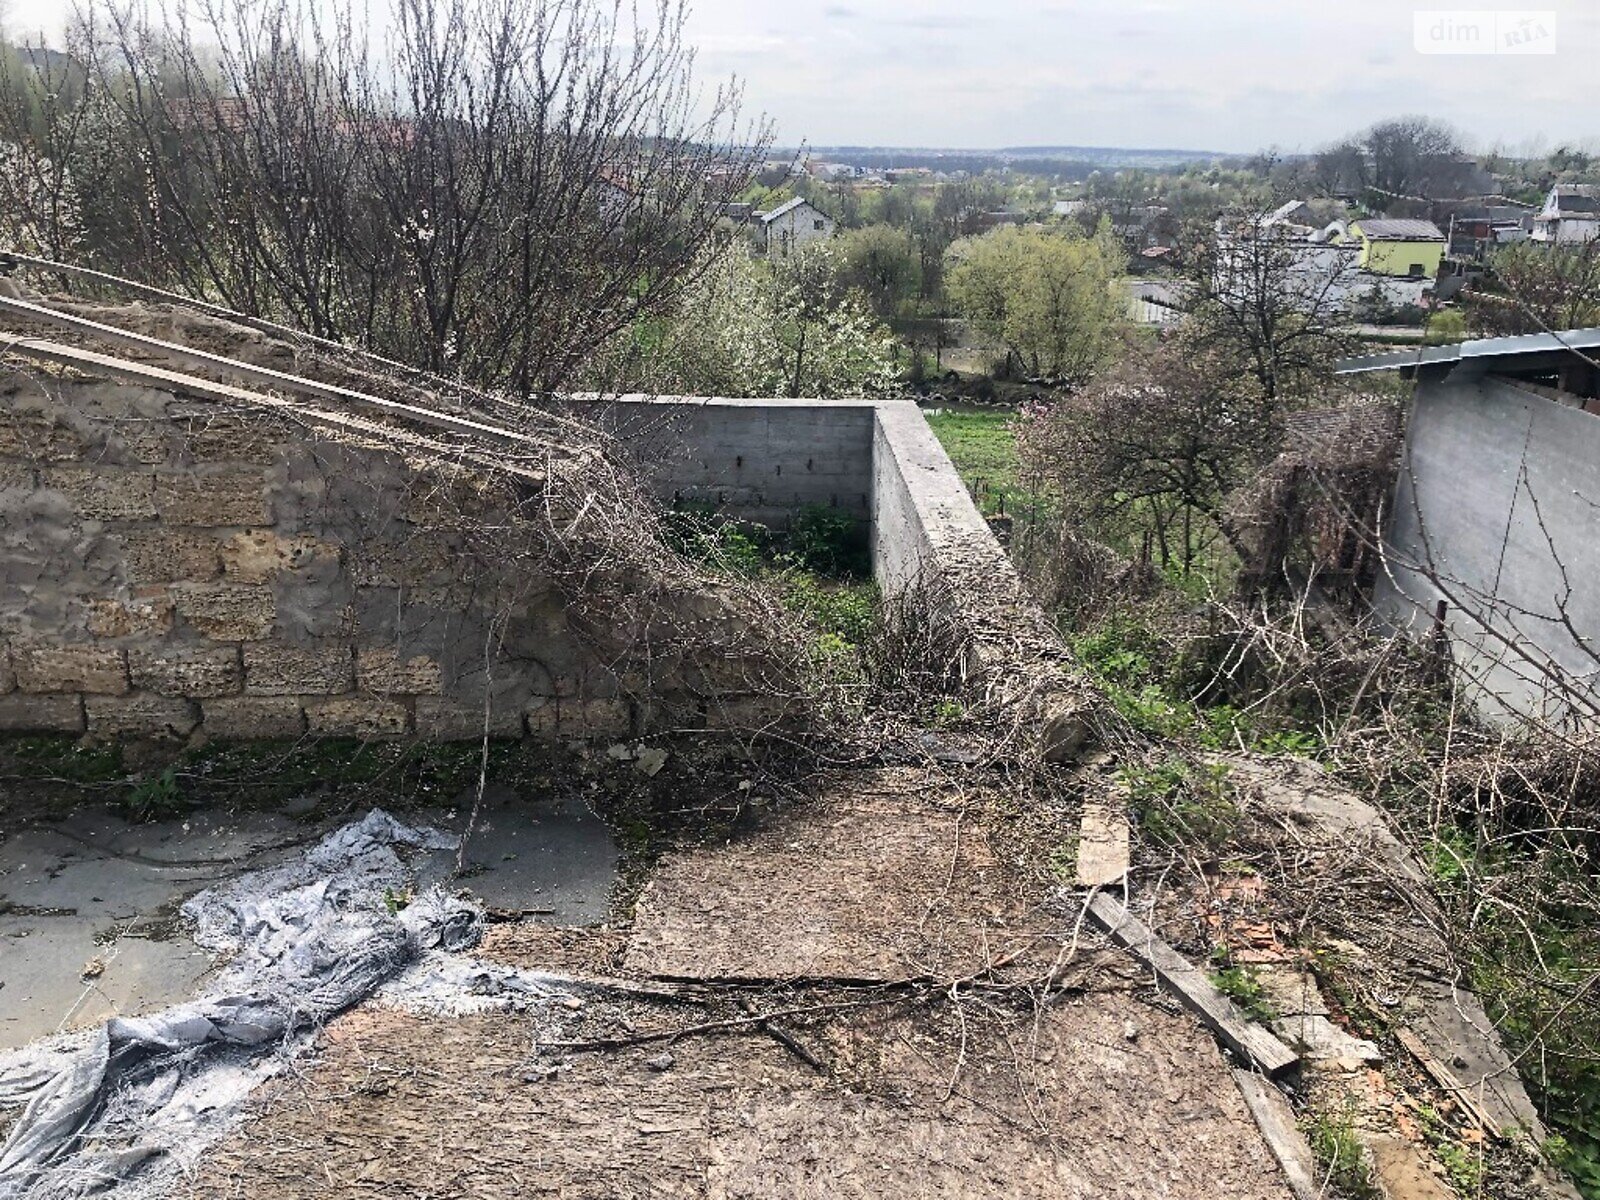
x: 1103, y: 854
x: 1192, y: 988
x: 1276, y: 1121
x: 1446, y: 1079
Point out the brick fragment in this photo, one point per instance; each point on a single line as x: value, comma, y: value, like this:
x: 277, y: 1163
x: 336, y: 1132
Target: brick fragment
x: 384, y: 671
x: 22, y: 713
x: 228, y: 497
x: 443, y: 720
x: 357, y: 716
x: 252, y: 718
x: 135, y: 617
x: 104, y: 493
x: 229, y: 614
x: 170, y: 556
x: 257, y: 555
x: 140, y: 715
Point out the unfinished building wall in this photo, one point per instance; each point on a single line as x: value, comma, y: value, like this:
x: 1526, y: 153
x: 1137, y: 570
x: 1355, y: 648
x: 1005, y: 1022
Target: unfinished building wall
x: 933, y: 555
x: 171, y: 565
x: 757, y: 460
x: 1495, y: 514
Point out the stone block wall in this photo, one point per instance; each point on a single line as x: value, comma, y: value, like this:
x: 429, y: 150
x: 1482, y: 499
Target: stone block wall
x: 186, y: 560
x: 172, y: 566
x: 754, y: 459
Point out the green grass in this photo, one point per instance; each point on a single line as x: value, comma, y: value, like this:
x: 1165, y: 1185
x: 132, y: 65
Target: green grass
x: 66, y: 758
x: 1334, y: 1142
x: 983, y: 447
x: 1241, y: 985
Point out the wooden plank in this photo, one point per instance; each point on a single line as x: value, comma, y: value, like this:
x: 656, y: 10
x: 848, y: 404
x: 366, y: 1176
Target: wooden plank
x: 203, y: 360
x: 1402, y: 1170
x: 223, y: 314
x: 1275, y: 1119
x: 1446, y: 1079
x: 143, y: 374
x: 1103, y: 853
x: 1192, y: 988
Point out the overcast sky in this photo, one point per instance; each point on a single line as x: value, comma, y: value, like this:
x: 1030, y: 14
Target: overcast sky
x: 1229, y: 75
x: 1206, y: 74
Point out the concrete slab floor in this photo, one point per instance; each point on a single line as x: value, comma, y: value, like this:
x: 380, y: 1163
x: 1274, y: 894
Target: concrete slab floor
x: 552, y: 860
x: 89, y: 924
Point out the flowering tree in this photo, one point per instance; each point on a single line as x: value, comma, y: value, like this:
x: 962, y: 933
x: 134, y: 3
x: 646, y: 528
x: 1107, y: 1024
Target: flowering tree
x: 753, y: 327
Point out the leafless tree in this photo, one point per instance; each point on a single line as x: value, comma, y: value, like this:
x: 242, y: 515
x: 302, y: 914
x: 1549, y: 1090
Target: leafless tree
x: 1533, y: 288
x: 1153, y: 449
x: 1272, y: 304
x: 1340, y: 169
x: 1414, y: 157
x: 486, y: 190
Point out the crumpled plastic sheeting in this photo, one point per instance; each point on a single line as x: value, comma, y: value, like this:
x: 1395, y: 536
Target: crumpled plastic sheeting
x: 309, y: 939
x: 446, y: 985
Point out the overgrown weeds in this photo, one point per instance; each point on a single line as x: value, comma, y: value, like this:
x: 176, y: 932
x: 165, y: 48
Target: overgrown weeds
x: 1333, y: 1140
x: 1179, y: 802
x: 1240, y: 984
x: 155, y: 796
x: 1505, y: 822
x: 818, y: 568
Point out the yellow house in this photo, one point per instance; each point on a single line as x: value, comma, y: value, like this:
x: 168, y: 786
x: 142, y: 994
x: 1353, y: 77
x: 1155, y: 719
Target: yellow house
x: 1399, y: 246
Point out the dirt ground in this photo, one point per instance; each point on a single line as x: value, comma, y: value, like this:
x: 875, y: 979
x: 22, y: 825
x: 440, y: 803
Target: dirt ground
x: 944, y: 1033
x: 1069, y: 1107
x: 877, y: 879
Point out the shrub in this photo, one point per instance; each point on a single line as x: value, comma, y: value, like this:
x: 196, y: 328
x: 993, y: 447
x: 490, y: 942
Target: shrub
x: 1178, y: 802
x: 828, y: 541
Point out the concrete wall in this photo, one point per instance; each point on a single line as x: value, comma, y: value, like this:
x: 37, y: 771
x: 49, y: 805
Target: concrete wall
x: 924, y: 520
x: 760, y: 459
x: 171, y: 565
x: 757, y: 460
x: 1499, y: 497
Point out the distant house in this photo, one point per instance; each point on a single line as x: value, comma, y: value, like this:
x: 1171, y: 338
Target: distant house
x: 1322, y: 271
x: 1002, y: 216
x: 830, y: 170
x: 1295, y: 212
x: 1143, y: 226
x: 1571, y: 214
x: 1476, y: 230
x: 1399, y: 246
x: 790, y: 227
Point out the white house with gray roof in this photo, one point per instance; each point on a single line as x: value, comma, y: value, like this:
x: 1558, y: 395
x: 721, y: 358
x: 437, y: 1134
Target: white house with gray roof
x: 1571, y: 214
x: 790, y: 227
